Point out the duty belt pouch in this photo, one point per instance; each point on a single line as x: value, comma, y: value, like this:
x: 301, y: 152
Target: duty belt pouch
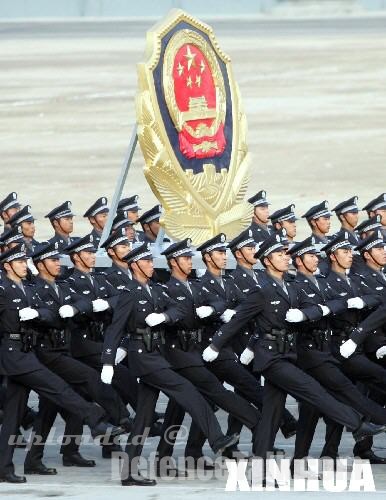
x: 280, y: 343
x: 148, y: 340
x: 184, y: 340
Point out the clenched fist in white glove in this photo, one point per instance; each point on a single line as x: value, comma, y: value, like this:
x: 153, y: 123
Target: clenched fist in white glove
x: 99, y: 305
x: 381, y: 352
x: 120, y: 355
x: 28, y: 313
x: 355, y: 303
x: 294, y: 316
x: 209, y: 354
x: 66, y: 312
x: 227, y: 315
x: 347, y: 348
x: 154, y: 319
x: 204, y: 311
x: 325, y: 310
x: 107, y: 374
x: 246, y: 356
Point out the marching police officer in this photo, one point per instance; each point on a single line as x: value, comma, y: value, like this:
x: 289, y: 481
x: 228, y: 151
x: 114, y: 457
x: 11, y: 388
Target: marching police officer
x: 260, y: 227
x: 149, y: 221
x: 273, y: 350
x: 90, y: 320
x: 183, y: 352
x: 140, y: 314
x: 368, y: 226
x: 118, y: 246
x: 25, y: 220
x: 314, y: 354
x: 378, y: 207
x: 18, y: 308
x: 319, y: 220
x: 8, y: 207
x: 53, y: 350
x: 62, y: 220
x: 121, y: 221
x: 285, y: 218
x: 131, y: 208
x: 97, y: 215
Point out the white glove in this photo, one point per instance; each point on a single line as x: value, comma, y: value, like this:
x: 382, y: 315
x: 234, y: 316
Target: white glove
x: 99, y: 305
x: 204, y: 311
x: 154, y: 319
x: 66, y: 312
x: 227, y: 315
x: 246, y: 356
x: 120, y: 355
x: 325, y: 310
x: 355, y: 303
x: 347, y: 348
x: 209, y: 354
x: 28, y: 313
x: 381, y: 352
x: 107, y: 374
x: 294, y: 316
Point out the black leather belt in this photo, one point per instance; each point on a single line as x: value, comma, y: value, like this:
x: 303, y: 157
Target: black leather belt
x: 150, y: 338
x: 280, y: 341
x: 187, y: 336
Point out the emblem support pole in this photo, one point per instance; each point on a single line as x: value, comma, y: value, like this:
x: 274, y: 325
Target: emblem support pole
x: 120, y: 183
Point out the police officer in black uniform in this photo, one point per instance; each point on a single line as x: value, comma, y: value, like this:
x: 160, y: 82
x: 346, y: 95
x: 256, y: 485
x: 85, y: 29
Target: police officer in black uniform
x: 345, y: 345
x: 319, y: 220
x: 121, y: 221
x: 131, y: 208
x: 8, y: 207
x: 285, y: 218
x: 140, y: 315
x: 53, y: 351
x: 117, y: 246
x: 246, y: 278
x: 368, y: 226
x: 19, y: 309
x: 274, y: 307
x: 378, y: 207
x: 90, y: 320
x: 25, y: 220
x: 183, y: 352
x: 314, y: 355
x: 62, y: 220
x: 97, y: 215
x: 11, y: 237
x: 260, y: 227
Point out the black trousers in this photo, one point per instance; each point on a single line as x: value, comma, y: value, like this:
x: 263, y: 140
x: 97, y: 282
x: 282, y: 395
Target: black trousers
x: 282, y: 377
x: 184, y: 393
x: 86, y: 382
x: 123, y: 381
x: 343, y: 389
x: 213, y: 390
x: 235, y: 374
x: 373, y: 375
x: 48, y: 385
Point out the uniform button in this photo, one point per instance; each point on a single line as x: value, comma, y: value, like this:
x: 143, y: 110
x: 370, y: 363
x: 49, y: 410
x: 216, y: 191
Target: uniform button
x: 210, y: 339
x: 84, y: 336
x: 143, y: 310
x: 269, y: 347
x: 173, y: 346
x: 275, y: 310
x: 10, y: 349
x: 139, y: 350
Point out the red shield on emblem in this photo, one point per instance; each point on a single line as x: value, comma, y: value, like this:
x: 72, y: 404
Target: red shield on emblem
x: 200, y: 135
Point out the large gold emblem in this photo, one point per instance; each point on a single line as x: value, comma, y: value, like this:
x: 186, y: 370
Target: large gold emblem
x: 192, y: 131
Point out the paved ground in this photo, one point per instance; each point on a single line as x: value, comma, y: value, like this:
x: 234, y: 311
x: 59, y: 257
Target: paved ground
x: 99, y: 482
x: 313, y: 91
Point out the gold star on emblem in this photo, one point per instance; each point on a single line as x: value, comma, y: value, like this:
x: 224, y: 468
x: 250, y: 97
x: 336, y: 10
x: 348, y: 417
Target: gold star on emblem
x: 189, y: 82
x: 202, y: 66
x: 190, y: 57
x: 180, y: 69
x: 198, y: 80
